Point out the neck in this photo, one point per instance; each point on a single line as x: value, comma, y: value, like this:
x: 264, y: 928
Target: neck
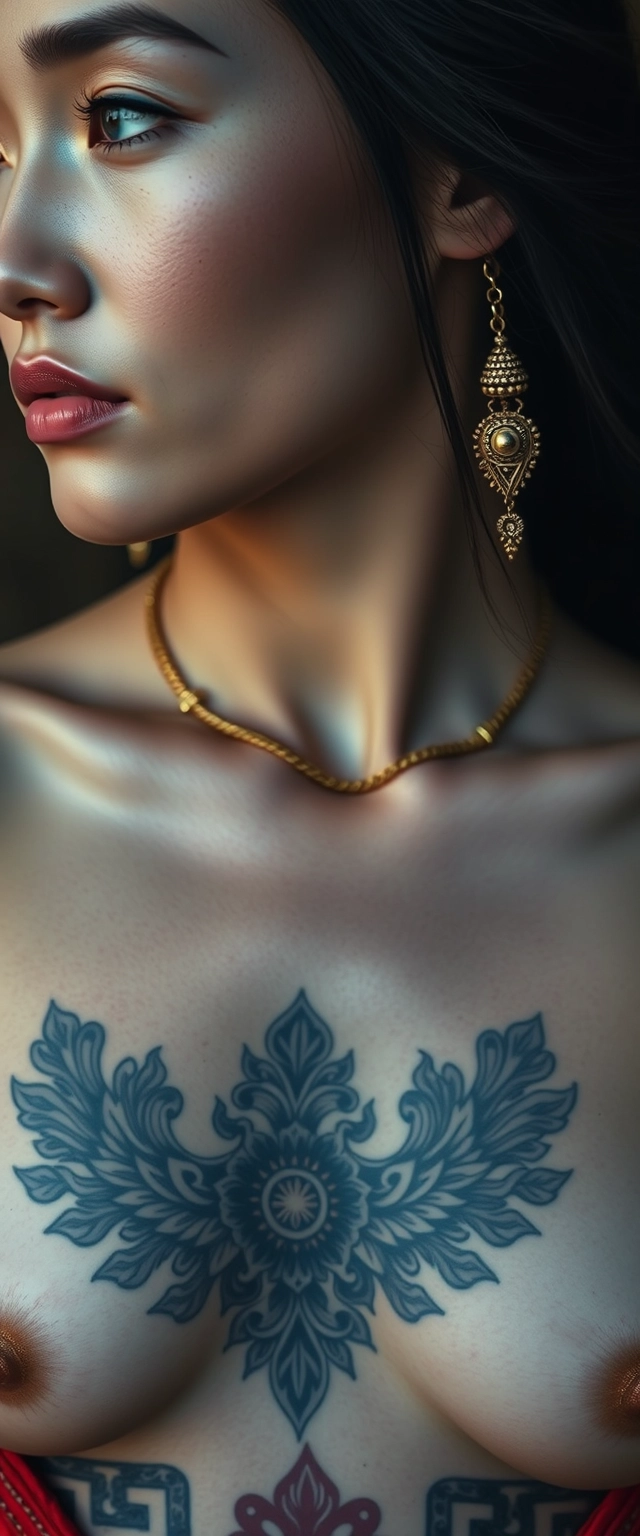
x: 342, y: 613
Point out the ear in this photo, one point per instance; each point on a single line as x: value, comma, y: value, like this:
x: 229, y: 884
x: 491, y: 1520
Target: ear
x: 465, y: 219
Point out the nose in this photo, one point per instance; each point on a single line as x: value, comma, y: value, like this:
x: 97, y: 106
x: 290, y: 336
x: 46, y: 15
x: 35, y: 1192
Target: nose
x: 39, y: 271
x: 31, y: 284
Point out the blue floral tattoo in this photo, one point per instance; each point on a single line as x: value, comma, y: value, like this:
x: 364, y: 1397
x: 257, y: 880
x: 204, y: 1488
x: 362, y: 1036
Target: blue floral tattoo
x: 293, y: 1221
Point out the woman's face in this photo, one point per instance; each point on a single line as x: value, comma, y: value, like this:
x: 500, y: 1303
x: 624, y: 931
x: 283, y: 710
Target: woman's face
x: 228, y: 273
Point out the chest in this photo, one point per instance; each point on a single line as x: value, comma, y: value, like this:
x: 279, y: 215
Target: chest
x: 307, y: 1096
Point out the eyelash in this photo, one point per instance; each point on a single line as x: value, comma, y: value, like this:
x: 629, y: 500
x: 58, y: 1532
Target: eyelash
x: 90, y: 107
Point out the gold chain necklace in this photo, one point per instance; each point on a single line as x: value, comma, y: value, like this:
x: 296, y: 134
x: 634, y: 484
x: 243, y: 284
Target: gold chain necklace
x: 484, y: 735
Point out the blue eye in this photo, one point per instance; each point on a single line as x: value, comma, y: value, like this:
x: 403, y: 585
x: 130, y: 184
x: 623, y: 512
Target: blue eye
x: 118, y: 113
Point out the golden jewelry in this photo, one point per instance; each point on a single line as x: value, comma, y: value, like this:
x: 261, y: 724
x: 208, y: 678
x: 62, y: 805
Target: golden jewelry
x: 190, y: 702
x: 139, y: 554
x: 507, y: 444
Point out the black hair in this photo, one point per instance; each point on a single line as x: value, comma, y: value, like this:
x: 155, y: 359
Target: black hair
x: 540, y: 99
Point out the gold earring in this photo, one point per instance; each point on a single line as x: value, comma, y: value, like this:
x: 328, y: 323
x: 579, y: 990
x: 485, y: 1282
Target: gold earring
x: 507, y: 443
x: 139, y: 554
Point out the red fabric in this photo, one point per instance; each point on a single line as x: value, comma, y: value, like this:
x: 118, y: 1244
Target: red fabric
x: 27, y: 1508
x: 618, y: 1514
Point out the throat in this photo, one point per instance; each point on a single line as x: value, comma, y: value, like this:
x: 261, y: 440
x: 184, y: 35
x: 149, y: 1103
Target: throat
x: 354, y: 668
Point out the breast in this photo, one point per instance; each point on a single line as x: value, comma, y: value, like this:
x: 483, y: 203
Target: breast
x: 243, y: 1050
x: 270, y: 1251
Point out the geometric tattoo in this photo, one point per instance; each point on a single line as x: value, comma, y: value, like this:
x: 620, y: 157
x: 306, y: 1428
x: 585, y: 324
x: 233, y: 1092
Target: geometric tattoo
x: 153, y: 1497
x: 118, y: 1495
x: 292, y: 1221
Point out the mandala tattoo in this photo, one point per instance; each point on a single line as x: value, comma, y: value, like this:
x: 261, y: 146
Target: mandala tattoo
x: 293, y: 1221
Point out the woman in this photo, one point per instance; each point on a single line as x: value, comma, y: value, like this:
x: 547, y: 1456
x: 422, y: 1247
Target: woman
x: 325, y: 1075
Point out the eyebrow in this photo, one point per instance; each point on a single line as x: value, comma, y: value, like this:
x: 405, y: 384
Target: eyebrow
x: 61, y: 42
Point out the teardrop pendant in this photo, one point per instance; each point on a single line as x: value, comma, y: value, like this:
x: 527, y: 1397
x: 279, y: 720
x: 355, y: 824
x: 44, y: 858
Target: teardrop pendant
x: 507, y: 444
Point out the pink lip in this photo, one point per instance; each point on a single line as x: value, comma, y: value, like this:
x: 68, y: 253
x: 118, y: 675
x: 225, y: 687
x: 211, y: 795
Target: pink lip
x: 32, y: 378
x: 81, y: 406
x: 52, y: 421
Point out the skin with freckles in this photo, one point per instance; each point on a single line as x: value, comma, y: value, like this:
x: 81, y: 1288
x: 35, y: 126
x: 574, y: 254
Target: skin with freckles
x: 289, y: 385
x: 235, y: 278
x: 233, y: 274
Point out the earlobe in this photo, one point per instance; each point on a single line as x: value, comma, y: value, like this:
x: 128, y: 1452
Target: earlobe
x: 475, y: 229
x: 468, y: 221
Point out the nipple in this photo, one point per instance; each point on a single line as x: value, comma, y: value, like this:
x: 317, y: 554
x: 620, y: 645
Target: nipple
x: 629, y: 1396
x: 619, y: 1395
x: 22, y: 1370
x: 14, y: 1366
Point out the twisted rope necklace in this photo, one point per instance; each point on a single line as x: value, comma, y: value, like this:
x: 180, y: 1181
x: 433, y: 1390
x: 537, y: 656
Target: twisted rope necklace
x: 190, y: 703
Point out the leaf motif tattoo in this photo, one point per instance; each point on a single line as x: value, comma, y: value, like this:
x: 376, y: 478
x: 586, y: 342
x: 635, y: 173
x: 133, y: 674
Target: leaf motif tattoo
x: 296, y: 1224
x: 306, y: 1503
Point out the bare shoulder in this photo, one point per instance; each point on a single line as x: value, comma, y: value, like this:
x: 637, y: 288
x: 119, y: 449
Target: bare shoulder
x: 99, y: 660
x: 98, y: 656
x: 588, y: 692
x: 69, y: 694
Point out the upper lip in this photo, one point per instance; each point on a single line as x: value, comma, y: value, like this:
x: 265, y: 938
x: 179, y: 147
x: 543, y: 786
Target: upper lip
x: 33, y: 377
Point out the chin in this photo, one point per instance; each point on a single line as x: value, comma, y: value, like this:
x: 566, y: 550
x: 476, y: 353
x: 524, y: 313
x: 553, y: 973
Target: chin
x: 106, y: 502
x: 86, y: 529
x: 105, y: 521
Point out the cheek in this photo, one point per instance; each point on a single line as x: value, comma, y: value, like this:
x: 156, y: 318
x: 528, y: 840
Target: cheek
x: 251, y: 320
x: 232, y: 257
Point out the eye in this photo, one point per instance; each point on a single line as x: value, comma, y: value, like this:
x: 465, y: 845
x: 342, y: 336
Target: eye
x: 117, y: 115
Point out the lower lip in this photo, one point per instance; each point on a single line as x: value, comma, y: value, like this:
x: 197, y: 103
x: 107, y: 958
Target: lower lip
x: 53, y: 421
